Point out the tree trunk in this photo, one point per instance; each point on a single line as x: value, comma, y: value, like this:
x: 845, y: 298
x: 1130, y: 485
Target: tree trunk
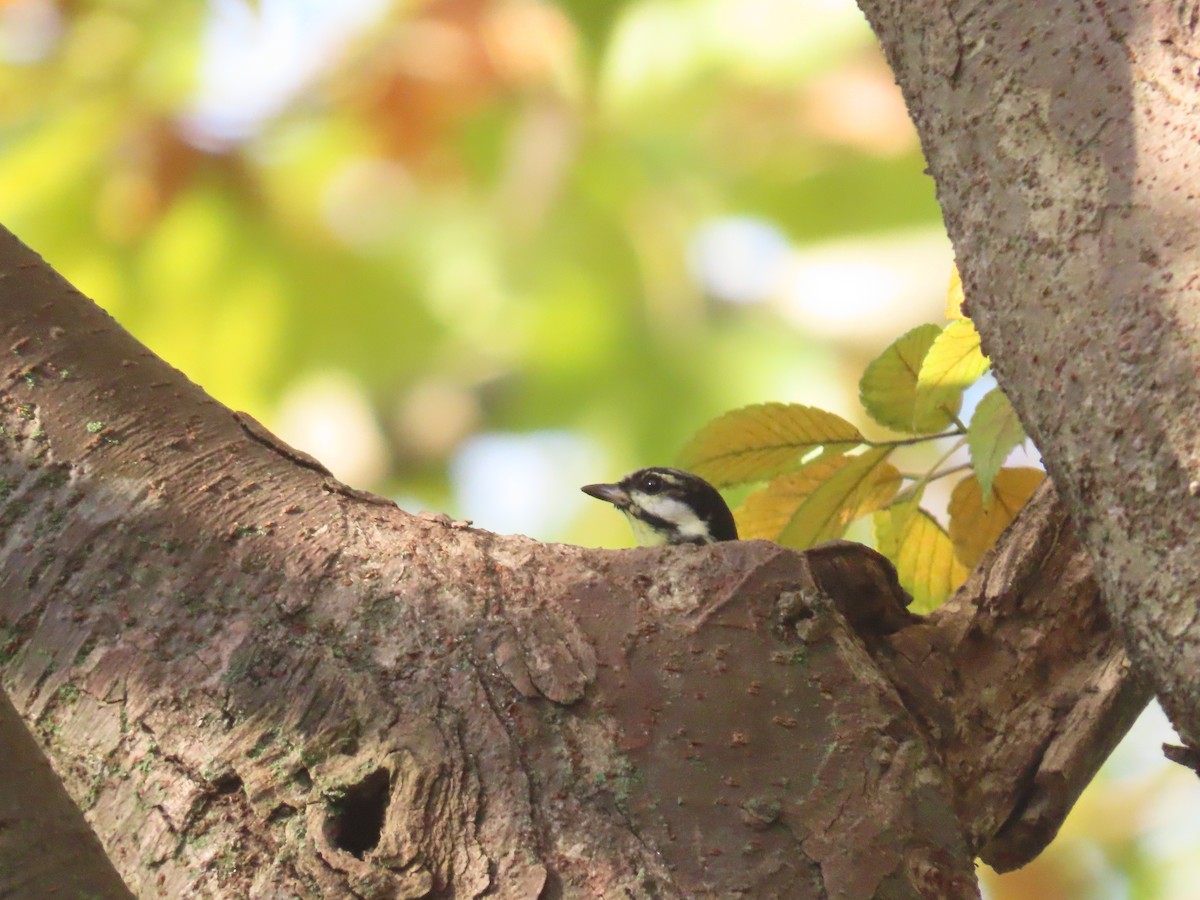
x: 1064, y: 141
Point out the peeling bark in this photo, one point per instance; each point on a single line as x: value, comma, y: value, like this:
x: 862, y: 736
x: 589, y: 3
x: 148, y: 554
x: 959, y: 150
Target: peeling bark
x: 257, y: 681
x: 1065, y: 141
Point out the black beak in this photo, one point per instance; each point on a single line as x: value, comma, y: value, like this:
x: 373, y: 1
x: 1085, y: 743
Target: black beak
x: 609, y: 493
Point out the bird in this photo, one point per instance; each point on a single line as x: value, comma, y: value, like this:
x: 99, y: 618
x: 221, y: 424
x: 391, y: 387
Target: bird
x: 669, y: 506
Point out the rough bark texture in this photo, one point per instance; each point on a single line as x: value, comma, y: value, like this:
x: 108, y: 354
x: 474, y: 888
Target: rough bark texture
x: 1028, y: 625
x: 46, y: 847
x: 260, y: 682
x: 1065, y: 141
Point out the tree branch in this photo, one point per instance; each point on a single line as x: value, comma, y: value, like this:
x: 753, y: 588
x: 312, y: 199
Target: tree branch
x: 279, y: 687
x: 257, y: 681
x: 46, y: 847
x: 1023, y: 683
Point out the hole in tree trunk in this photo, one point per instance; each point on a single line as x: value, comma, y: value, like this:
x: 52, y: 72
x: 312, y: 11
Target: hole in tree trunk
x: 227, y: 783
x: 356, y: 820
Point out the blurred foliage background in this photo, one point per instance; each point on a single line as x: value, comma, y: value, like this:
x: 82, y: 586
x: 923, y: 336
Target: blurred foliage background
x: 475, y: 253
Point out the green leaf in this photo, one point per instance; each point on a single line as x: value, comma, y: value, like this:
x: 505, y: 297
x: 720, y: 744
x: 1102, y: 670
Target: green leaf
x: 758, y: 442
x: 888, y: 389
x: 906, y: 504
x: 975, y: 525
x: 993, y: 433
x: 922, y: 553
x: 860, y: 485
x: 953, y: 363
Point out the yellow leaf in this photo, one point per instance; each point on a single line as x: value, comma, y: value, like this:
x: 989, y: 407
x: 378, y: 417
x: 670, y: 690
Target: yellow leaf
x: 765, y: 513
x: 975, y: 526
x: 758, y: 442
x: 993, y: 433
x: 955, y: 361
x: 859, y: 485
x: 888, y: 389
x: 923, y: 555
x: 954, y: 296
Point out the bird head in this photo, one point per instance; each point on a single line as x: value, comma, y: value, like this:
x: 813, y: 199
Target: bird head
x: 669, y: 506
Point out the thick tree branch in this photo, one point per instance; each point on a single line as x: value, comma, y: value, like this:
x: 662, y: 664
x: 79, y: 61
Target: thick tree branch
x: 259, y: 682
x: 1065, y: 141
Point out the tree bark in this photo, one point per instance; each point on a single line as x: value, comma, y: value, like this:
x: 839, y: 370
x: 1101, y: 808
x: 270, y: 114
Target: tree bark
x: 46, y: 847
x: 1065, y: 141
x: 259, y: 682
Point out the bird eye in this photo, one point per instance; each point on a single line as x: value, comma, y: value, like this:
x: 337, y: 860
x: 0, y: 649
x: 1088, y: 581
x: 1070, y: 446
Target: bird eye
x: 650, y: 484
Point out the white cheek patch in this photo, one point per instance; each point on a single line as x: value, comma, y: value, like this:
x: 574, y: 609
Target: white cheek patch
x: 645, y: 535
x: 679, y: 514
